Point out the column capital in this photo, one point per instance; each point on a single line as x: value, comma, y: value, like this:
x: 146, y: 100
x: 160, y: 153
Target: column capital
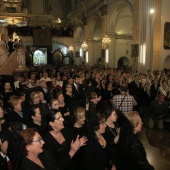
x: 112, y: 34
x: 77, y: 43
x: 103, y: 10
x: 90, y: 40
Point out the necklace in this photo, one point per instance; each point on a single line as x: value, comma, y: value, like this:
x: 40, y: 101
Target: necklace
x: 111, y: 130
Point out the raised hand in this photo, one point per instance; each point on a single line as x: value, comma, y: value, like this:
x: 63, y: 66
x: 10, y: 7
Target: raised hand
x: 83, y: 140
x: 4, y: 147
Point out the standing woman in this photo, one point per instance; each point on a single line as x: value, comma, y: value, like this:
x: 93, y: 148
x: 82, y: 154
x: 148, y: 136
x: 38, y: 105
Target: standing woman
x: 79, y: 128
x: 2, y: 119
x: 58, y: 141
x: 35, y: 158
x: 38, y: 120
x: 112, y: 129
x: 135, y: 155
x: 99, y: 155
x: 54, y: 105
x: 64, y: 108
x: 69, y: 98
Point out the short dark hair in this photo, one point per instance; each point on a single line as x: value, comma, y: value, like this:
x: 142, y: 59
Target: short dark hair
x: 123, y: 88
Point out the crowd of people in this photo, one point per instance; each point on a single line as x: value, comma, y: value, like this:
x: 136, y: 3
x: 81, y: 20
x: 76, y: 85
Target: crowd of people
x: 79, y: 118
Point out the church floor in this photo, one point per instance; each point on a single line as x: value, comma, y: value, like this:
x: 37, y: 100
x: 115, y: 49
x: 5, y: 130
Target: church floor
x: 157, y: 146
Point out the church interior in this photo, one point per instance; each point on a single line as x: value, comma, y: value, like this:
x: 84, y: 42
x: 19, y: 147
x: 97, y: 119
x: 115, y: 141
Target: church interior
x: 131, y: 34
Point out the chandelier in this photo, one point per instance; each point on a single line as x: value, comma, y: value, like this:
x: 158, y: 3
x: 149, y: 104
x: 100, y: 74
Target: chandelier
x: 84, y: 46
x: 13, y: 12
x: 106, y: 42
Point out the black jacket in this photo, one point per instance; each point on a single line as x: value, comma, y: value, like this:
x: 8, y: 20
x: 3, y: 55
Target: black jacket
x: 133, y: 155
x: 45, y: 159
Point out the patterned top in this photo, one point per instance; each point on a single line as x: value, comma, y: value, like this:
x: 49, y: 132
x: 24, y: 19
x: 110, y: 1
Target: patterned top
x: 127, y: 104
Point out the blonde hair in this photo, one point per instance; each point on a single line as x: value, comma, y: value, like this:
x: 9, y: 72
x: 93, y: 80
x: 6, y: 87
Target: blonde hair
x: 134, y: 118
x: 93, y: 95
x: 32, y: 95
x: 14, y: 100
x: 79, y: 113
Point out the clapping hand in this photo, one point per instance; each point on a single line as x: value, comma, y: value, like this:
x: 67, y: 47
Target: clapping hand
x: 4, y: 147
x: 83, y: 141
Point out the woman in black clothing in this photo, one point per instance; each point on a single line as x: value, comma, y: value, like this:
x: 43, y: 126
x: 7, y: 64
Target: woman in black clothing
x: 108, y: 93
x: 38, y: 120
x: 133, y: 155
x: 64, y: 108
x: 35, y: 158
x: 112, y: 129
x: 2, y: 119
x: 58, y: 141
x: 79, y: 128
x: 99, y: 155
x: 69, y: 98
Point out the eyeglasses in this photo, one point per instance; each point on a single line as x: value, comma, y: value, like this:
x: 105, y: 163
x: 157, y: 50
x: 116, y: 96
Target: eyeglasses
x: 39, y: 140
x: 59, y: 118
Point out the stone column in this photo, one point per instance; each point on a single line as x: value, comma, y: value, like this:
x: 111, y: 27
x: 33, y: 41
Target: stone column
x: 112, y: 48
x: 157, y: 35
x: 78, y: 60
x: 91, y: 59
x: 84, y: 21
x: 136, y: 34
x: 103, y: 10
x: 21, y: 57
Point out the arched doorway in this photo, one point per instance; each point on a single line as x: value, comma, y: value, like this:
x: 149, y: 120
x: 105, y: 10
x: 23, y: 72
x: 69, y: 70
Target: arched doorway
x: 67, y: 60
x: 166, y: 64
x: 57, y: 58
x: 123, y: 62
x: 40, y: 56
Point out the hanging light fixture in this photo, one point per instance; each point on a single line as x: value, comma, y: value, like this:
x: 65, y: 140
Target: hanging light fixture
x: 84, y: 46
x: 15, y: 36
x: 106, y: 41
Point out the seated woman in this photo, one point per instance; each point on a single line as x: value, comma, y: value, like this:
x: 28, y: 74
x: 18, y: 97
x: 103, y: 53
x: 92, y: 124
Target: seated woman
x: 133, y: 155
x: 38, y: 120
x: 59, y: 143
x: 99, y: 155
x: 35, y: 158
